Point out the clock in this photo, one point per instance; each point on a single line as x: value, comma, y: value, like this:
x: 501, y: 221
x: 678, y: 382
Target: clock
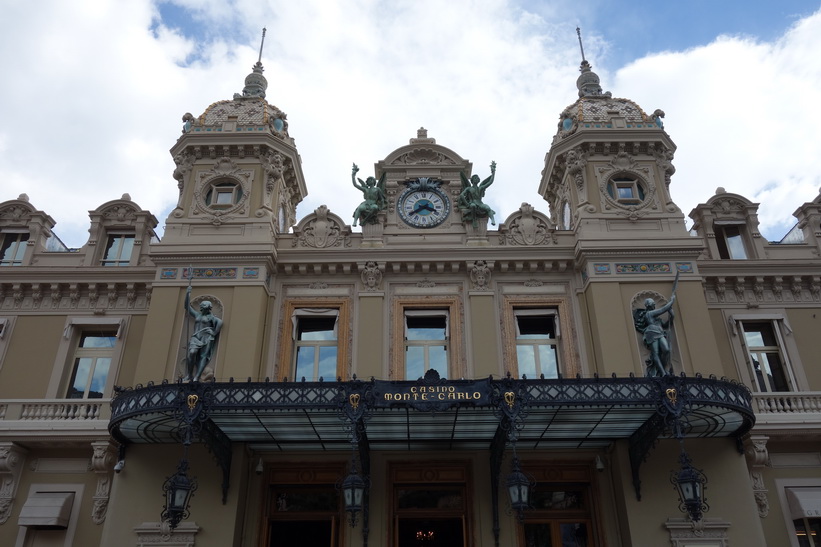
x: 423, y: 205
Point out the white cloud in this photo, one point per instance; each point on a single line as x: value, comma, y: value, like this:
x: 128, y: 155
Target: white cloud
x: 93, y: 95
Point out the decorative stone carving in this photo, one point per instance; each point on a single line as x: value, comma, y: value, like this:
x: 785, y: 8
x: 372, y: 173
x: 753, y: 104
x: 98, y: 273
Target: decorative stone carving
x: 12, y: 460
x: 371, y: 276
x: 664, y: 159
x: 36, y: 294
x: 707, y: 532
x: 480, y: 274
x: 424, y: 156
x: 150, y: 534
x: 757, y: 458
x: 102, y: 461
x: 721, y: 288
x: 739, y: 289
x: 533, y: 283
x: 624, y: 163
x: 184, y: 162
x: 527, y: 227
x: 56, y: 295
x: 321, y: 230
x: 273, y: 167
x: 795, y: 288
x: 425, y: 284
x: 576, y: 161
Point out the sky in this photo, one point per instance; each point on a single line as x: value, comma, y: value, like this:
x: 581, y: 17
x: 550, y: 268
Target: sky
x: 92, y: 93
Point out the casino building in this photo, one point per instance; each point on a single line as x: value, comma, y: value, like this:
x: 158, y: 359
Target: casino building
x: 428, y: 381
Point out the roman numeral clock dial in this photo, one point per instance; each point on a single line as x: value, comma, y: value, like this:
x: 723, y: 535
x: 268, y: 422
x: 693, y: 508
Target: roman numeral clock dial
x: 423, y: 204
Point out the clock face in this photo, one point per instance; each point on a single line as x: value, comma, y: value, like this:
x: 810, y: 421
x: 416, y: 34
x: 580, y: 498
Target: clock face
x: 423, y: 208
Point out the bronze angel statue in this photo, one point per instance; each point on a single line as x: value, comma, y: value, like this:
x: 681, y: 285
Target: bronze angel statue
x: 470, y: 199
x: 376, y: 199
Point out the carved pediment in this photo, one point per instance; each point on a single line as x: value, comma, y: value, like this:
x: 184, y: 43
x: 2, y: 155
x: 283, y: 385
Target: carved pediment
x: 527, y: 227
x: 322, y: 229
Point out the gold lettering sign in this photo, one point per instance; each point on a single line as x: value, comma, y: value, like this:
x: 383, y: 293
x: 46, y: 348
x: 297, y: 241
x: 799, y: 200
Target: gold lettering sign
x: 430, y: 396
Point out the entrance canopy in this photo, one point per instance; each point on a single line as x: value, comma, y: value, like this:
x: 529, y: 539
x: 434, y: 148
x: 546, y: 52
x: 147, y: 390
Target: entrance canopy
x: 432, y: 414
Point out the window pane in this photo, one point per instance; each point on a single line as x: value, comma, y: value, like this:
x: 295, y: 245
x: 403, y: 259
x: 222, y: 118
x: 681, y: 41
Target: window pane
x: 304, y: 363
x: 79, y: 377
x: 12, y: 249
x: 801, y: 533
x: 98, y: 379
x: 625, y: 192
x: 414, y: 362
x: 574, y: 534
x: 535, y: 326
x: 547, y: 361
x: 327, y: 363
x: 438, y: 360
x: 771, y: 366
x: 224, y: 196
x: 98, y: 340
x: 526, y: 360
x: 538, y: 534
x: 316, y: 328
x: 426, y: 328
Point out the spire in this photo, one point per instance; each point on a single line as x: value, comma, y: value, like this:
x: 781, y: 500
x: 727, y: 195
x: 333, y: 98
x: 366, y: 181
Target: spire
x: 588, y: 82
x: 255, y: 83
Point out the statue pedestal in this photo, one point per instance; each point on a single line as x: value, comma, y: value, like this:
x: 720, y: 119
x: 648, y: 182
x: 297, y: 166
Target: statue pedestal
x: 477, y: 235
x: 372, y: 234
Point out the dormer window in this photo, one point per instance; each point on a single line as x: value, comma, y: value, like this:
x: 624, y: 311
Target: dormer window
x: 625, y: 189
x: 118, y: 250
x: 730, y: 242
x: 13, y: 248
x: 223, y: 195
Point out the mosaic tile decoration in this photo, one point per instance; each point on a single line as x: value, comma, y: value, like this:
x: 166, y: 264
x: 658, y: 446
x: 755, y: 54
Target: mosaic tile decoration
x: 168, y: 273
x: 210, y: 273
x: 643, y: 267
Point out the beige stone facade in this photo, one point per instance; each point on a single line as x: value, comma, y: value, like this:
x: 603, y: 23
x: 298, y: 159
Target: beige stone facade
x: 326, y: 332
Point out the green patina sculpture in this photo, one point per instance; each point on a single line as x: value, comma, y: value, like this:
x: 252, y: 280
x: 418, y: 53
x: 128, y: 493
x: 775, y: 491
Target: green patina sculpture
x: 470, y: 200
x: 654, y: 329
x: 376, y: 199
x: 202, y: 343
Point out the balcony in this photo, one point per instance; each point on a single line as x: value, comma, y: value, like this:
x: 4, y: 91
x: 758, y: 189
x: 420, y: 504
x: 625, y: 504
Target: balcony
x: 54, y: 419
x: 788, y: 412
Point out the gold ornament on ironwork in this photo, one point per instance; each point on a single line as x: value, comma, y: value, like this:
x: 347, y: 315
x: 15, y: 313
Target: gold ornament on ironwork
x: 354, y: 399
x: 192, y: 402
x: 510, y: 398
x: 672, y: 395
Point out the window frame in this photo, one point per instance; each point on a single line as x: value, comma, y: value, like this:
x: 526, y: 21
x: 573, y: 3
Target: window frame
x: 314, y: 313
x: 223, y: 187
x: 567, y: 360
x: 536, y: 342
x: 119, y: 260
x: 64, y: 363
x: 95, y: 354
x: 454, y: 333
x: 781, y: 486
x: 288, y: 346
x: 722, y: 239
x: 77, y: 489
x: 22, y: 237
x: 620, y: 181
x: 427, y: 344
x: 788, y: 351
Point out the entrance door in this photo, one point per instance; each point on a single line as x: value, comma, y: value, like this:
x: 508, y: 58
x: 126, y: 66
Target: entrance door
x: 316, y: 533
x: 430, y: 532
x: 430, y: 504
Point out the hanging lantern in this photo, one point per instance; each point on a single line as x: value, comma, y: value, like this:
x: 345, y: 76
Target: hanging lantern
x: 689, y: 483
x: 518, y: 487
x: 353, y: 492
x: 178, y: 490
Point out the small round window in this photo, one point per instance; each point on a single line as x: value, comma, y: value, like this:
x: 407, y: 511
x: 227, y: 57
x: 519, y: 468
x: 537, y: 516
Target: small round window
x: 223, y: 195
x: 625, y: 189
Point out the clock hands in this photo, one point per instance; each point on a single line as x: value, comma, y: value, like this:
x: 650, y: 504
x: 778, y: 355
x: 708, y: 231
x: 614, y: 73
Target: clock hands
x: 419, y: 208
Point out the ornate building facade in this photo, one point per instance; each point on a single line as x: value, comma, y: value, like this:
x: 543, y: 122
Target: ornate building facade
x: 435, y: 365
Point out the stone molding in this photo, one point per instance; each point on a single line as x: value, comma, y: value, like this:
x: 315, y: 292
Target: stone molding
x: 12, y: 460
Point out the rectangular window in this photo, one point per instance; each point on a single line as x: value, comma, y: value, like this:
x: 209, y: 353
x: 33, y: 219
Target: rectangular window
x: 426, y: 343
x: 13, y: 248
x: 730, y: 242
x: 537, y: 336
x: 118, y: 250
x: 92, y: 364
x: 315, y: 341
x: 769, y: 367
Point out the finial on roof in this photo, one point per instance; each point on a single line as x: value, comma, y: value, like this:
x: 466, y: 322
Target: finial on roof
x: 588, y: 82
x: 255, y: 83
x: 581, y: 47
